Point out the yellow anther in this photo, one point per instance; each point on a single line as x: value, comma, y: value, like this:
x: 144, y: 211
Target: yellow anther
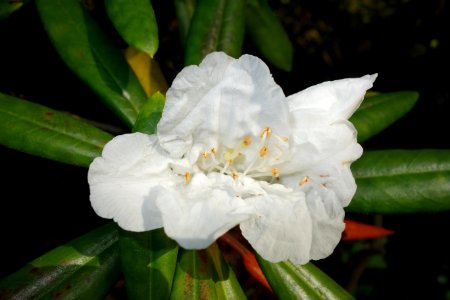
x: 266, y: 132
x: 234, y: 175
x: 304, y: 180
x: 205, y: 154
x: 285, y: 139
x: 246, y: 141
x: 275, y: 172
x: 230, y: 162
x: 213, y: 151
x: 187, y: 177
x: 263, y: 151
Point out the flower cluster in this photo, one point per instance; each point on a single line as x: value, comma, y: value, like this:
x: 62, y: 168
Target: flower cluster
x: 231, y: 149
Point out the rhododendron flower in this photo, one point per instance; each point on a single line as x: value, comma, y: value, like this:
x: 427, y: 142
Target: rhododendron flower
x: 231, y: 149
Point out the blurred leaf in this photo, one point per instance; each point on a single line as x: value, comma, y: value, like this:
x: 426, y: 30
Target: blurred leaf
x: 7, y: 7
x: 41, y: 131
x: 136, y: 23
x: 268, y: 35
x: 85, y: 268
x: 147, y: 71
x: 217, y: 25
x: 301, y: 282
x: 184, y: 10
x: 151, y: 113
x: 402, y: 181
x: 148, y: 263
x: 359, y: 231
x: 204, y: 274
x: 92, y: 56
x: 378, y: 112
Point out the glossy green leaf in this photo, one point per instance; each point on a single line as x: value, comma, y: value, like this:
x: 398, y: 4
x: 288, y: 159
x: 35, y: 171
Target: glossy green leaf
x: 148, y: 263
x: 184, y: 9
x: 92, y: 56
x: 402, y: 181
x: 41, y: 131
x: 217, y: 25
x: 136, y: 23
x: 85, y: 268
x: 378, y: 112
x: 268, y: 34
x: 203, y: 274
x: 289, y: 281
x: 150, y: 114
x: 7, y: 7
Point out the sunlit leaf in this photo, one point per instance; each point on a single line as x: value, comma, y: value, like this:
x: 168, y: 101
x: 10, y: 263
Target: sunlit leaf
x: 402, y: 181
x: 91, y: 55
x: 148, y: 263
x: 301, y: 282
x: 85, y: 268
x: 217, y: 25
x: 268, y: 35
x: 41, y: 131
x: 378, y: 112
x: 136, y: 22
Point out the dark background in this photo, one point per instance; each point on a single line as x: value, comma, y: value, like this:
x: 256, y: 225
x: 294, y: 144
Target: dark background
x: 45, y: 203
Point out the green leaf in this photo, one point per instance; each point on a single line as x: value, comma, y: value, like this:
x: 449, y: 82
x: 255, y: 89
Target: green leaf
x: 268, y: 35
x: 184, y: 10
x: 7, y: 7
x: 41, y: 131
x: 378, y: 112
x: 136, y: 23
x: 203, y: 274
x: 402, y: 181
x: 289, y: 281
x: 92, y: 56
x: 85, y: 268
x: 150, y: 114
x: 148, y: 262
x: 217, y: 25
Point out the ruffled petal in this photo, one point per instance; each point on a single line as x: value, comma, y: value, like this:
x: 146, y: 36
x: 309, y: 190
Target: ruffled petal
x: 121, y: 179
x: 282, y: 228
x: 335, y: 99
x: 199, y: 212
x: 218, y: 103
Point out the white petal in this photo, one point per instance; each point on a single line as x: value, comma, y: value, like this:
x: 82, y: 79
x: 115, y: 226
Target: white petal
x: 282, y: 228
x: 218, y: 103
x: 121, y: 179
x: 336, y: 99
x: 204, y: 209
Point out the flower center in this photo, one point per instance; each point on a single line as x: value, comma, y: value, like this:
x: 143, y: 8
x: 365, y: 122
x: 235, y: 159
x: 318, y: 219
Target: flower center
x: 254, y: 156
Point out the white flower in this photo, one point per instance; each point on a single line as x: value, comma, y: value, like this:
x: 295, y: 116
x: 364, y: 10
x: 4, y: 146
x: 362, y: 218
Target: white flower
x: 231, y: 149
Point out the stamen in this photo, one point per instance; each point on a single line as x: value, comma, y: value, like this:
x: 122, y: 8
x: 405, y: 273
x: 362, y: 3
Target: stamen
x: 187, y: 177
x: 275, y: 172
x: 213, y: 151
x: 234, y: 175
x: 205, y: 154
x: 304, y: 180
x: 263, y: 151
x: 246, y: 141
x: 266, y: 132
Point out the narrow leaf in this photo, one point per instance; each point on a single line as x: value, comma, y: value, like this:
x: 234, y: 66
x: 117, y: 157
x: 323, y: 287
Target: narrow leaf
x: 151, y: 113
x: 268, y: 35
x: 217, y: 25
x: 7, y: 7
x: 378, y: 112
x: 136, y: 22
x: 301, y: 282
x: 147, y: 71
x: 148, y: 262
x: 205, y: 275
x: 41, y: 131
x: 85, y: 268
x: 184, y: 10
x: 92, y: 56
x: 402, y: 181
